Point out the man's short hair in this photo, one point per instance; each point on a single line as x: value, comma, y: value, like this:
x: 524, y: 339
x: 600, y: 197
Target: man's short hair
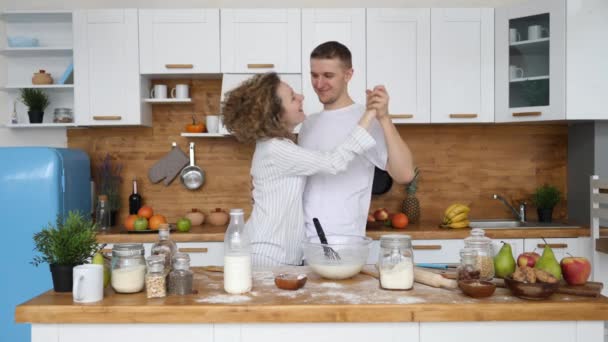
x: 331, y: 50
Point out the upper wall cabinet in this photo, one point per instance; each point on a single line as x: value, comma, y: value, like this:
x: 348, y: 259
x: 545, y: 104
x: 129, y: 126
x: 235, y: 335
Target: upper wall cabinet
x: 179, y: 41
x: 530, y: 62
x: 106, y: 63
x: 345, y: 25
x: 261, y: 40
x: 398, y: 56
x: 462, y: 65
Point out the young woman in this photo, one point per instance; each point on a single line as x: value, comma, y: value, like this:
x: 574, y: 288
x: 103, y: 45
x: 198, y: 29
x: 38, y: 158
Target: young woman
x: 264, y: 110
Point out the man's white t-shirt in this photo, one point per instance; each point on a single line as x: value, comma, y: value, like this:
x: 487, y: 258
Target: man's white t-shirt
x: 340, y: 202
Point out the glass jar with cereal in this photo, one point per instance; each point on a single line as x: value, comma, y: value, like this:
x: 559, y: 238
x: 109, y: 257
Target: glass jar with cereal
x: 485, y: 258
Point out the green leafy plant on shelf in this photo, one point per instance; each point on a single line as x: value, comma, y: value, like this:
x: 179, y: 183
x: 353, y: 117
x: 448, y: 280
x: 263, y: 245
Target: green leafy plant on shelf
x: 34, y: 99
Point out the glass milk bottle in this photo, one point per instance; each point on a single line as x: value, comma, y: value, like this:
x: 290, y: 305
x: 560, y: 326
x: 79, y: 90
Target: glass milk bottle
x: 237, y: 255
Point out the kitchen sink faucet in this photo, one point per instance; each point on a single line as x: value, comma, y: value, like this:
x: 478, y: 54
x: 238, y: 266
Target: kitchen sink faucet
x: 521, y: 215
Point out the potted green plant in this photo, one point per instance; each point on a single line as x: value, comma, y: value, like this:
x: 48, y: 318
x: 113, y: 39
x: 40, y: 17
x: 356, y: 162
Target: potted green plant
x: 69, y: 243
x: 108, y: 182
x: 36, y: 101
x: 545, y: 198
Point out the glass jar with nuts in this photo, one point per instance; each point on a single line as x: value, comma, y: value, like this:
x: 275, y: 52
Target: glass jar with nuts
x: 483, y: 246
x: 156, y: 285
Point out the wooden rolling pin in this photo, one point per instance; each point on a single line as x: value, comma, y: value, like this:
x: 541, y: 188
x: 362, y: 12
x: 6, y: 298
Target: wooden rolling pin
x: 423, y: 277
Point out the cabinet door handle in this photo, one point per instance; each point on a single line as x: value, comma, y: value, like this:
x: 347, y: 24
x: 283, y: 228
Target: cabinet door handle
x: 552, y: 245
x: 402, y: 116
x: 106, y: 251
x: 193, y: 250
x: 463, y: 116
x: 260, y: 66
x: 107, y: 117
x: 426, y: 247
x: 179, y: 66
x: 519, y: 114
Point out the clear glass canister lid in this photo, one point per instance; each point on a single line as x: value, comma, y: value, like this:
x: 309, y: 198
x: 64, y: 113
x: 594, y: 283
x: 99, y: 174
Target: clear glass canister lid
x: 181, y: 261
x: 478, y: 238
x: 395, y: 241
x: 128, y: 249
x: 156, y: 263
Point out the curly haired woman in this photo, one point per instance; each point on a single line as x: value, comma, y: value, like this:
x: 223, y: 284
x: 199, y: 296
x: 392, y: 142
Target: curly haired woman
x: 264, y: 110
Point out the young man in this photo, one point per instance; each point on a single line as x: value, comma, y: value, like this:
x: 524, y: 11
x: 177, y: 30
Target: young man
x: 341, y: 202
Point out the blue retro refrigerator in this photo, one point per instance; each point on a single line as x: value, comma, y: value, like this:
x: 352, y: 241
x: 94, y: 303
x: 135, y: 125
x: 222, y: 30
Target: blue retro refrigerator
x: 36, y: 184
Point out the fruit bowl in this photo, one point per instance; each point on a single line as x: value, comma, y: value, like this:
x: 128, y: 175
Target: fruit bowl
x: 477, y: 288
x: 534, y: 291
x: 353, y: 251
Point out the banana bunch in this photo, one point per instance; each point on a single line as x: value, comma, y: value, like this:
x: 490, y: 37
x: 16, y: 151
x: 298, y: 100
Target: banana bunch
x: 455, y: 216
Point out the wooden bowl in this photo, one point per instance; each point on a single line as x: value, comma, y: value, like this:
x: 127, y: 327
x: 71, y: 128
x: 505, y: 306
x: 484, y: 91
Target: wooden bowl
x: 534, y: 291
x: 290, y: 281
x: 477, y: 288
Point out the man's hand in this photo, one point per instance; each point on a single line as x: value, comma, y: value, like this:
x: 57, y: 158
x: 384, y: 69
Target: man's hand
x: 378, y: 99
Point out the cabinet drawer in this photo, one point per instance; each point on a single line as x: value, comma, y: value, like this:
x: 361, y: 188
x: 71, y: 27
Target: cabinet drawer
x: 203, y: 253
x: 561, y: 246
x: 439, y: 251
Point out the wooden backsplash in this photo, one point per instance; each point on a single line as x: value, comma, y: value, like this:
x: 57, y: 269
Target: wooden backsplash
x: 466, y: 163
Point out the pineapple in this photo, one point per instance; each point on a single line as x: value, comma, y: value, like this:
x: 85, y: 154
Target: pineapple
x: 411, y: 206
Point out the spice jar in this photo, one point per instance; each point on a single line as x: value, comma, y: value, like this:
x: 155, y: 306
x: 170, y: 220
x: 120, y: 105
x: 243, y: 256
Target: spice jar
x: 396, y: 262
x: 128, y: 267
x: 468, y: 268
x: 181, y: 278
x: 483, y: 246
x: 63, y: 115
x: 156, y: 285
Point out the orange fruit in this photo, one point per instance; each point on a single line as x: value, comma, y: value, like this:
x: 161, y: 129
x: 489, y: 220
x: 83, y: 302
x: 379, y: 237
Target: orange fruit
x: 145, y: 211
x: 399, y: 220
x: 130, y: 222
x: 156, y: 220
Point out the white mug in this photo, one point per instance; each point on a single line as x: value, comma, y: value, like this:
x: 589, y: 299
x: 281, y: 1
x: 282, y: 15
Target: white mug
x: 159, y: 91
x: 87, y: 284
x: 213, y: 123
x: 180, y: 91
x: 536, y: 32
x: 515, y: 72
x: 514, y: 36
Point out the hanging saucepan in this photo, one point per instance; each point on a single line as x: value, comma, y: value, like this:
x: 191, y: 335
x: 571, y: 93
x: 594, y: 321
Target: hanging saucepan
x: 382, y: 182
x: 192, y: 176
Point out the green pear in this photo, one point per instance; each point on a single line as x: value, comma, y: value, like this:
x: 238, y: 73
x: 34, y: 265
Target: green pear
x: 548, y: 262
x: 99, y: 260
x: 504, y: 263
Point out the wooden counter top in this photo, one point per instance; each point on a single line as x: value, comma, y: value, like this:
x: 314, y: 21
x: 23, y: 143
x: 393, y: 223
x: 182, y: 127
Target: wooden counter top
x: 422, y: 231
x: 355, y: 300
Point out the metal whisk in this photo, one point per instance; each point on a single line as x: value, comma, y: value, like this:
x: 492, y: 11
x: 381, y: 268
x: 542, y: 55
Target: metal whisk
x: 330, y: 253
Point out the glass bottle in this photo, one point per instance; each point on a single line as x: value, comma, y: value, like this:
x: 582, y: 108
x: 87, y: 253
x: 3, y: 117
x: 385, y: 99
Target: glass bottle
x: 134, y: 200
x: 14, y: 119
x: 468, y: 268
x: 164, y: 246
x: 237, y: 255
x: 181, y: 278
x: 396, y: 262
x: 485, y: 258
x: 102, y: 213
x: 128, y: 267
x: 156, y: 285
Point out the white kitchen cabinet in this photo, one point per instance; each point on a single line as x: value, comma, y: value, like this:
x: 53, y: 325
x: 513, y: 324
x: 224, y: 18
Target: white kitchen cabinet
x: 345, y: 25
x: 426, y: 251
x: 398, y: 56
x: 517, y: 246
x: 462, y: 65
x: 203, y: 253
x: 179, y: 41
x: 530, y: 61
x: 561, y: 246
x: 106, y: 63
x: 260, y: 40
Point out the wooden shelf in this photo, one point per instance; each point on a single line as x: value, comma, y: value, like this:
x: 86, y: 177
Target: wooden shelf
x: 168, y: 101
x: 39, y: 86
x: 525, y: 79
x: 205, y: 135
x: 41, y: 125
x: 36, y: 50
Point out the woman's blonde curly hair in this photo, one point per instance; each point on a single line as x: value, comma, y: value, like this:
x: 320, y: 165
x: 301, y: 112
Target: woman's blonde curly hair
x: 252, y: 111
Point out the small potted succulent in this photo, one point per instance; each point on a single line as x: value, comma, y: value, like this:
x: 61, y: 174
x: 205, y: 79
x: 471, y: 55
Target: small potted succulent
x: 36, y: 101
x: 109, y: 180
x: 69, y: 243
x: 545, y: 198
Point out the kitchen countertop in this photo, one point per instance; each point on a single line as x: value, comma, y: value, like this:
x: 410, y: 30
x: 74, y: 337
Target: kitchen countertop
x: 421, y: 231
x: 354, y: 300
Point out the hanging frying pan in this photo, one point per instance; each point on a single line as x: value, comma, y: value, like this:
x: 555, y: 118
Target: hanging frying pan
x: 192, y: 176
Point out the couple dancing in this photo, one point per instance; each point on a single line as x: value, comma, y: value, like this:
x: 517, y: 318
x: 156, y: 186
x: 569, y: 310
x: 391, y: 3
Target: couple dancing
x: 329, y: 172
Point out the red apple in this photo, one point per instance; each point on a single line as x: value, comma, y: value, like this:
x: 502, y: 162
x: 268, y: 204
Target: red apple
x: 576, y: 270
x: 527, y: 259
x: 370, y: 218
x: 381, y: 214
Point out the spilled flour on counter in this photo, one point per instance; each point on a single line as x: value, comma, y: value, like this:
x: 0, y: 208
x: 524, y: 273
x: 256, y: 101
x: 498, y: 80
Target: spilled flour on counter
x: 332, y: 285
x: 224, y: 299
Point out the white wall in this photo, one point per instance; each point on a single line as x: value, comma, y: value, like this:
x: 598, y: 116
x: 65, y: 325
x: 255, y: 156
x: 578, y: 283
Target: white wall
x: 57, y: 136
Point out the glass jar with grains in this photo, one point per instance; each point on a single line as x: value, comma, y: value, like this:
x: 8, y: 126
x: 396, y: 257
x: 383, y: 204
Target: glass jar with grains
x: 483, y: 246
x: 156, y: 285
x: 468, y: 268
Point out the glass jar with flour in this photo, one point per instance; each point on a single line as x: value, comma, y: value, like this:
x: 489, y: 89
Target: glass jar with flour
x: 128, y: 267
x: 396, y: 262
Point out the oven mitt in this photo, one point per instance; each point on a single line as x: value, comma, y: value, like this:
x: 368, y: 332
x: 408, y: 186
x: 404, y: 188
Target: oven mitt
x: 165, y: 168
